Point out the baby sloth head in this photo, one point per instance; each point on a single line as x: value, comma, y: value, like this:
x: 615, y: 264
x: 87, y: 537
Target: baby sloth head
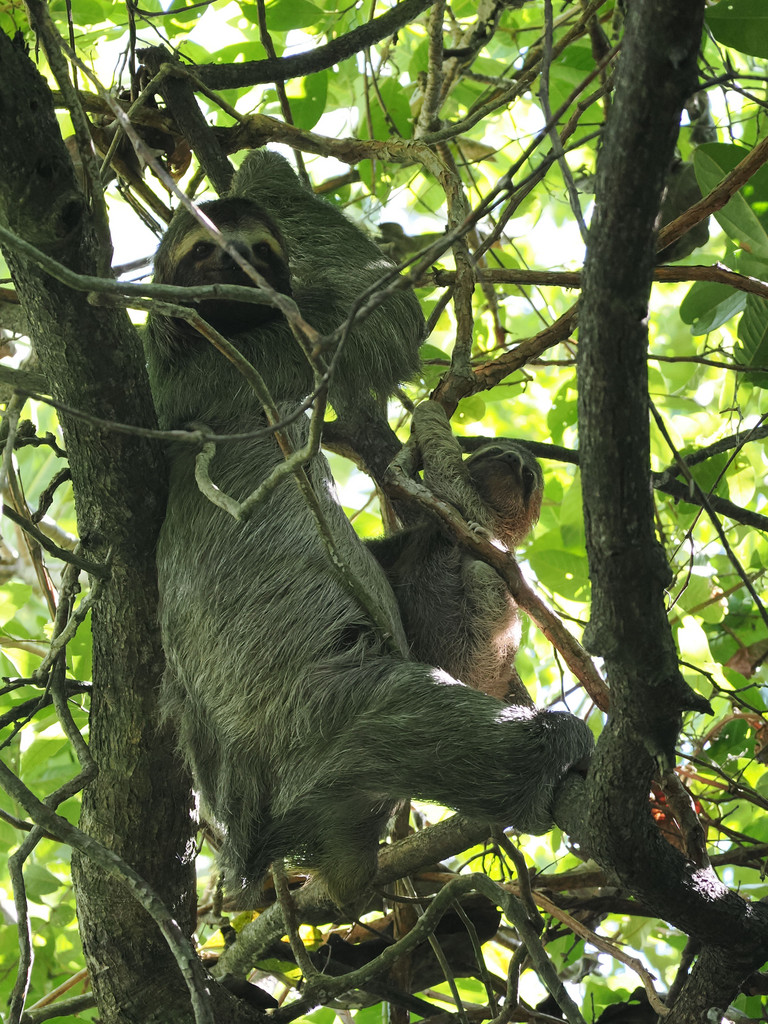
x: 510, y: 482
x: 189, y: 256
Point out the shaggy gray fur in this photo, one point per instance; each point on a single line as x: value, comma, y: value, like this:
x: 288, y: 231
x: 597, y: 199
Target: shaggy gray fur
x: 456, y: 610
x: 303, y: 725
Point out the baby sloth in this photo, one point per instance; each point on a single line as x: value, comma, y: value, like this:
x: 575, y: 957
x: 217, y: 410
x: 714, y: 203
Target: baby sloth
x: 457, y: 611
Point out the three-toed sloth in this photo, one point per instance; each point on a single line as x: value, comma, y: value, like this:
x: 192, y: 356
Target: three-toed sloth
x: 456, y: 610
x: 303, y: 722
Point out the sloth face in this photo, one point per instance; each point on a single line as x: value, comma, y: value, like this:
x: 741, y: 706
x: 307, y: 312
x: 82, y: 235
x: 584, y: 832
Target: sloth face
x: 509, y: 480
x: 194, y: 258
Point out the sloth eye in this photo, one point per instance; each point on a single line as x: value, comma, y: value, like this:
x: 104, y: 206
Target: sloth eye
x: 262, y: 250
x: 202, y: 250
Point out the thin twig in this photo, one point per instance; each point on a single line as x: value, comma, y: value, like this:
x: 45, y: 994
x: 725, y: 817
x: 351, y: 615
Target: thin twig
x: 324, y: 989
x: 70, y: 557
x: 605, y: 947
x: 115, y: 867
x: 706, y: 504
x: 557, y: 144
x: 285, y: 900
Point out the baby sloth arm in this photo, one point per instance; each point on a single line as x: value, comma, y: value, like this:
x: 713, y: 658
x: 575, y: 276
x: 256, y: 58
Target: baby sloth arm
x: 446, y: 473
x: 499, y: 487
x: 457, y: 611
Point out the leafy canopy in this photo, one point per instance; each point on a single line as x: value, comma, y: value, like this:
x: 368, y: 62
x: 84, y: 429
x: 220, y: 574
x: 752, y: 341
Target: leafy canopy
x: 707, y: 365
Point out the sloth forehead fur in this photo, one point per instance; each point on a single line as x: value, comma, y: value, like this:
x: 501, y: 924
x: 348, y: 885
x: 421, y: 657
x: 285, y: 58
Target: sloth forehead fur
x: 249, y: 229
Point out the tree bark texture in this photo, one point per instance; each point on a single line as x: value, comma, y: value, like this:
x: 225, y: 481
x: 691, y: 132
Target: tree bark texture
x: 139, y: 804
x: 629, y: 626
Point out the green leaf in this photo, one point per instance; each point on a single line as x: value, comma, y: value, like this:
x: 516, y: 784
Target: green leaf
x: 698, y: 598
x: 13, y: 596
x: 80, y: 651
x: 709, y: 474
x: 327, y: 1016
x: 567, y: 73
x: 39, y: 881
x: 742, y: 24
x: 46, y: 755
x: 184, y: 15
x: 712, y: 162
x: 89, y: 12
x: 558, y: 570
x: 753, y: 338
x: 733, y: 740
x: 392, y: 115
x: 470, y: 410
x: 232, y: 54
x: 365, y: 523
x: 308, y: 98
x: 708, y: 306
x: 562, y: 412
x: 284, y: 15
x: 571, y: 516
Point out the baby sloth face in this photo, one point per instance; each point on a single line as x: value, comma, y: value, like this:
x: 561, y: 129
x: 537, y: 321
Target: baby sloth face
x: 510, y: 482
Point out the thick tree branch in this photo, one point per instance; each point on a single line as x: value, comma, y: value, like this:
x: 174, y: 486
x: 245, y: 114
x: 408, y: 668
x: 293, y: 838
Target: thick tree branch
x: 572, y: 278
x: 281, y: 69
x: 179, y: 94
x: 405, y: 857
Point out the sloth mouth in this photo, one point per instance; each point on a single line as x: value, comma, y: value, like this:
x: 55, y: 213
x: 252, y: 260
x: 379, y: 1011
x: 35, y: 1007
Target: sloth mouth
x: 233, y: 317
x: 276, y: 277
x: 234, y: 275
x: 230, y: 316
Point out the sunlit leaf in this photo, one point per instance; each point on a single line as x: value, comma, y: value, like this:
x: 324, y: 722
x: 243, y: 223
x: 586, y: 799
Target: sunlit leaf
x: 753, y: 339
x: 13, y: 596
x: 307, y: 97
x: 709, y: 305
x: 742, y: 24
x: 712, y: 162
x: 284, y: 15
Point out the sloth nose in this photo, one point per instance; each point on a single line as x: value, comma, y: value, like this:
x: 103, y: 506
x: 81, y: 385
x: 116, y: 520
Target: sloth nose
x: 241, y: 249
x: 522, y: 472
x: 513, y: 461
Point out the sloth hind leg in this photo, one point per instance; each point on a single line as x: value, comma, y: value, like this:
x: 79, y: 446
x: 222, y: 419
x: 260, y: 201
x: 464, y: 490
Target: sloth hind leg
x: 348, y: 856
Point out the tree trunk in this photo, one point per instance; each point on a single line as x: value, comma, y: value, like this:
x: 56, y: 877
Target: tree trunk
x: 140, y: 803
x: 629, y: 627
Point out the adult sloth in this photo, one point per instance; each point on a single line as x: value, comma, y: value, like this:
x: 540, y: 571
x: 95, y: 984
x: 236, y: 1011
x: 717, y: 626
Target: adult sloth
x: 303, y: 721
